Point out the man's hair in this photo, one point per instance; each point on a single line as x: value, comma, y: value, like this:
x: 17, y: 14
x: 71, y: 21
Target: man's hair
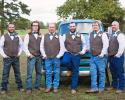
x: 96, y: 22
x: 10, y: 24
x: 51, y: 23
x: 115, y: 22
x: 38, y: 27
x: 72, y: 23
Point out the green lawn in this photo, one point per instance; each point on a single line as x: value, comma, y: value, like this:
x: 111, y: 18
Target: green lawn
x: 64, y: 90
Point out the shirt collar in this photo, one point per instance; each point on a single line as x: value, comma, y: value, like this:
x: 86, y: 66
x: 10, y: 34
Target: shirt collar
x: 52, y: 33
x: 117, y: 31
x: 73, y: 33
x: 11, y: 33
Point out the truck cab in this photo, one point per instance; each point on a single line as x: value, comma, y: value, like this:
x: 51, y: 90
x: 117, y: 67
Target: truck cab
x: 84, y: 26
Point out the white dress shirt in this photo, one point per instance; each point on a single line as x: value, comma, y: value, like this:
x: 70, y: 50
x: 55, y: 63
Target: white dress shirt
x: 2, y: 40
x: 61, y: 52
x: 121, y: 40
x: 84, y: 45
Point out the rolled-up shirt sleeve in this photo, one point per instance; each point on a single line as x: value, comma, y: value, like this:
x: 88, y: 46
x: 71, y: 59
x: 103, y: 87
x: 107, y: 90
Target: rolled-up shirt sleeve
x: 42, y: 47
x: 20, y: 46
x: 121, y: 40
x: 1, y: 47
x: 84, y: 45
x: 26, y: 42
x: 105, y: 42
x: 62, y: 47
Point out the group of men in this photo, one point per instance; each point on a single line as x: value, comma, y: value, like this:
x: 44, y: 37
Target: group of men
x: 52, y: 46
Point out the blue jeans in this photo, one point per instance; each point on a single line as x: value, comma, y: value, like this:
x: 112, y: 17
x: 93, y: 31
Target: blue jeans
x: 31, y: 63
x: 52, y: 65
x: 97, y: 68
x: 117, y: 71
x: 72, y: 62
x: 7, y: 63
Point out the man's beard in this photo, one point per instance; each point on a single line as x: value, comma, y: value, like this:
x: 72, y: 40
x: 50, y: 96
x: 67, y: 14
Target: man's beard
x: 72, y: 31
x: 10, y: 31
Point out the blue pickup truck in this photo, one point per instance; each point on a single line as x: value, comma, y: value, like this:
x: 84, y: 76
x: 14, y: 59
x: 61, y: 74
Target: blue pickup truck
x: 84, y: 26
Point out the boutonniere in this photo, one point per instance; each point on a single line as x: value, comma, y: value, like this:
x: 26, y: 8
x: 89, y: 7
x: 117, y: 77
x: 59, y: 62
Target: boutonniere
x: 73, y: 36
x: 100, y: 35
x: 16, y: 35
x: 114, y: 35
x: 56, y: 36
x: 78, y: 35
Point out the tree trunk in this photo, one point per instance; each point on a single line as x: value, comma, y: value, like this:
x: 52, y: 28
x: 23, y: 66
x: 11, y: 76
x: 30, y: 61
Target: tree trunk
x: 2, y: 18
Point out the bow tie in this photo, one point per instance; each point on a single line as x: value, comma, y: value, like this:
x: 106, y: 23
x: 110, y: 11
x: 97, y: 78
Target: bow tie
x: 13, y: 34
x: 35, y: 32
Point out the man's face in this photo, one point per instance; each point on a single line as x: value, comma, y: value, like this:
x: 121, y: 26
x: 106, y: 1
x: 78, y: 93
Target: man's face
x: 52, y: 28
x: 11, y: 28
x: 115, y: 27
x: 72, y: 27
x: 35, y: 27
x: 95, y: 27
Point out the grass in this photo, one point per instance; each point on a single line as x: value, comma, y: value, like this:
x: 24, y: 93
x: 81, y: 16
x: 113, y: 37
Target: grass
x: 64, y: 90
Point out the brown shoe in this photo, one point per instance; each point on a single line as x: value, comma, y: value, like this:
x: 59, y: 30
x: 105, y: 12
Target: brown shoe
x: 101, y: 91
x: 91, y: 91
x: 28, y: 92
x: 21, y: 90
x: 3, y: 92
x: 73, y: 91
x: 111, y: 89
x: 55, y: 90
x: 119, y: 91
x: 40, y: 88
x: 47, y: 90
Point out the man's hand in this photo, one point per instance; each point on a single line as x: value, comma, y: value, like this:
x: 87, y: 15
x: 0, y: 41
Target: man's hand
x: 30, y: 56
x: 44, y: 57
x: 118, y: 55
x: 82, y: 53
x: 101, y: 55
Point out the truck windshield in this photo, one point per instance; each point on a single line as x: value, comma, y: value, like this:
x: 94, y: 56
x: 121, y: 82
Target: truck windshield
x: 81, y: 28
x: 84, y: 27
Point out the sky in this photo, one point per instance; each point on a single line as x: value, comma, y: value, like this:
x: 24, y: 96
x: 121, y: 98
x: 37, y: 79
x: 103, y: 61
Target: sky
x: 45, y: 10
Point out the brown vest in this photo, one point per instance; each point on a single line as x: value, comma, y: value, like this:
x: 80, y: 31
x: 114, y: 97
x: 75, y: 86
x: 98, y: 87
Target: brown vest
x: 52, y: 47
x: 34, y: 45
x: 73, y: 45
x: 113, y: 45
x: 96, y: 44
x: 11, y: 47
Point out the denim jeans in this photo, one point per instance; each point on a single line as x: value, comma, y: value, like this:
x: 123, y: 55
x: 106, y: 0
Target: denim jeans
x: 117, y: 72
x: 52, y: 65
x: 31, y: 63
x: 97, y: 68
x: 7, y: 63
x: 72, y: 62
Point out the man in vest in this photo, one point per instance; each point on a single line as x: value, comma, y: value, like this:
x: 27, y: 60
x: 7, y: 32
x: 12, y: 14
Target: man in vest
x: 116, y: 57
x: 98, y: 47
x: 75, y: 46
x: 32, y: 49
x: 51, y: 49
x: 10, y: 49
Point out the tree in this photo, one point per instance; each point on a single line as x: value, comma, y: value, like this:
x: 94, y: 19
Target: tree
x: 104, y: 10
x: 22, y: 23
x: 11, y: 10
